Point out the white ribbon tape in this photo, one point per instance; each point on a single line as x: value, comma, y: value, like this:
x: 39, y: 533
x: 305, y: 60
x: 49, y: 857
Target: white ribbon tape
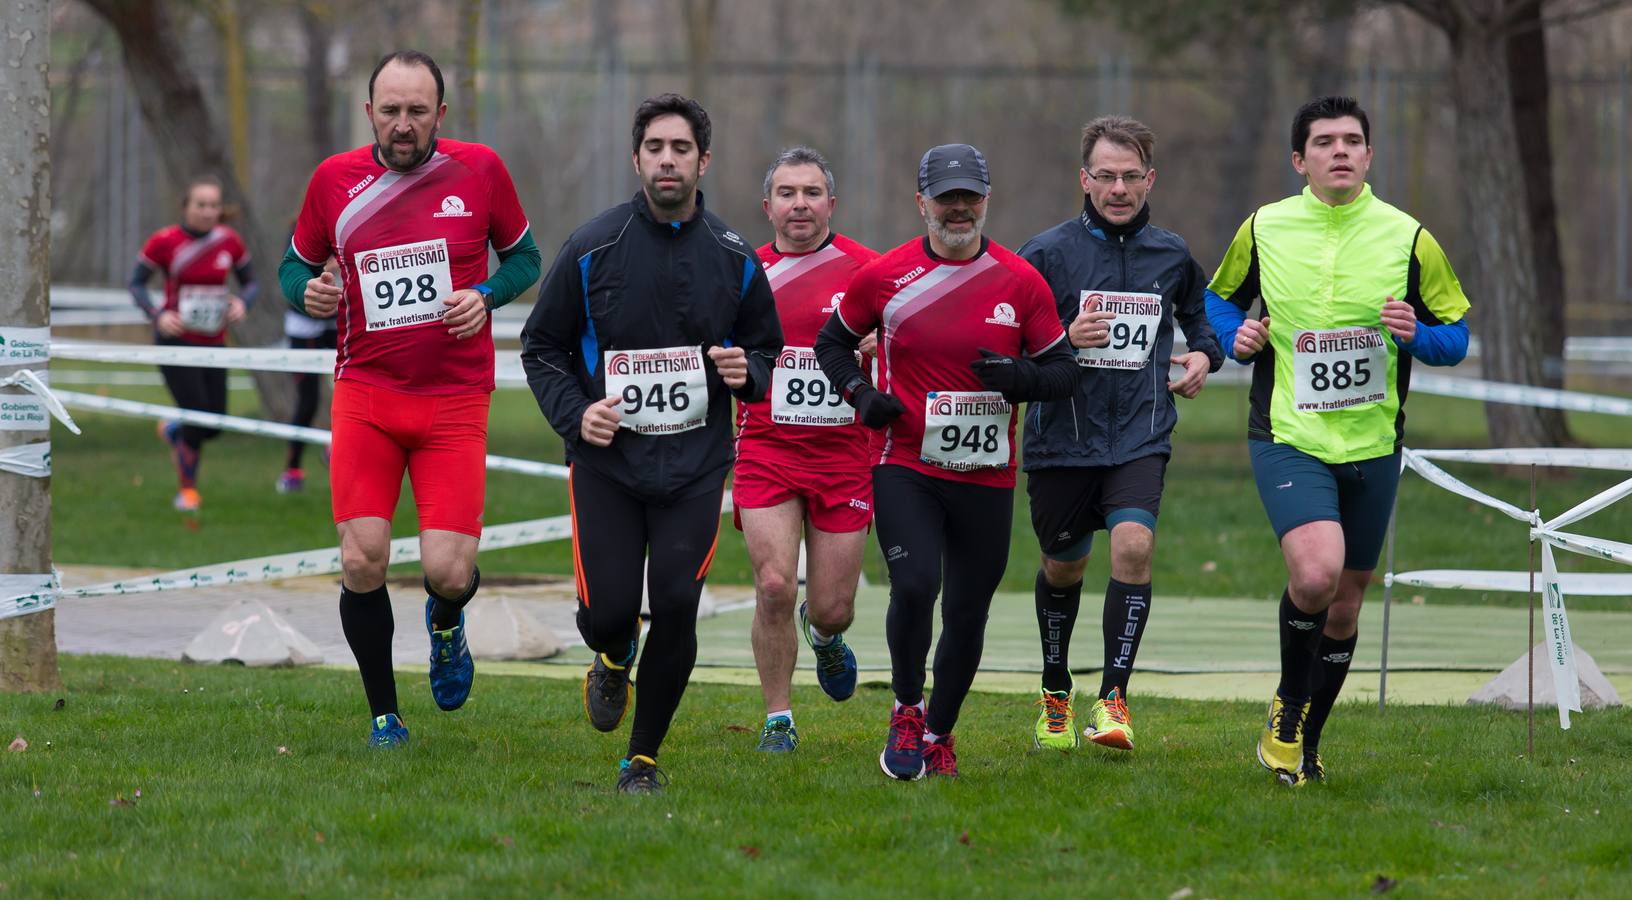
x: 1612, y: 460
x: 1450, y: 483
x: 1590, y: 505
x: 33, y: 460
x: 267, y: 359
x: 1586, y: 546
x: 1579, y: 584
x: 1519, y: 394
x: 22, y: 595
x: 268, y: 429
x: 1561, y: 650
x: 28, y: 381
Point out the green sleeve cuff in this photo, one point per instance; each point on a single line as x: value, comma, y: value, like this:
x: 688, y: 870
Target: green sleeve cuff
x: 293, y: 273
x: 519, y: 267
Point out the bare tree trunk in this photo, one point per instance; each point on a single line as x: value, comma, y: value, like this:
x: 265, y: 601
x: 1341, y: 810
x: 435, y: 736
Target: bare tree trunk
x: 189, y: 142
x: 469, y: 43
x: 231, y: 25
x: 1528, y: 71
x: 1239, y: 159
x: 1506, y: 313
x: 316, y: 18
x: 700, y: 16
x: 28, y: 643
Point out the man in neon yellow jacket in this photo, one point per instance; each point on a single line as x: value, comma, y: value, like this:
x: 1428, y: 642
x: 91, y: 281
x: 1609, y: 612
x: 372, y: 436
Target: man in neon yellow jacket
x: 1353, y: 289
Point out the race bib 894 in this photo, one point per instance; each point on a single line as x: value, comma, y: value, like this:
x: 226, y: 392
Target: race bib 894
x: 1132, y: 332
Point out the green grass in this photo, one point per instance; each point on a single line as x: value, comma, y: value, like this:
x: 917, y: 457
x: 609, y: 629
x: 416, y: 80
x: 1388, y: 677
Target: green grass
x: 512, y: 796
x: 1213, y: 538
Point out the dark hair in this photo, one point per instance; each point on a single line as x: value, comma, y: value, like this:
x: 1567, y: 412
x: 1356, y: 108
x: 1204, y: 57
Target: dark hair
x: 674, y: 105
x: 1130, y: 133
x: 407, y: 58
x: 1333, y: 106
x: 800, y: 156
x: 201, y: 181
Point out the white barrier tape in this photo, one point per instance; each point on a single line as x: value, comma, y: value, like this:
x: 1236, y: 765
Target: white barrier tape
x: 1561, y: 650
x: 1610, y: 460
x: 1589, y: 506
x: 1519, y: 394
x: 1586, y: 546
x: 317, y: 562
x: 28, y: 381
x: 1450, y: 483
x: 1581, y: 584
x: 269, y: 429
x: 22, y: 595
x: 32, y: 460
x: 268, y: 359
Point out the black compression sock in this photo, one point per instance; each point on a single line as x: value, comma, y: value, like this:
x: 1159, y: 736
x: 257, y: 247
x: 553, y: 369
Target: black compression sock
x: 1056, y: 614
x: 366, y: 620
x: 445, y: 611
x: 1331, y: 667
x: 1127, y: 609
x: 1300, y: 637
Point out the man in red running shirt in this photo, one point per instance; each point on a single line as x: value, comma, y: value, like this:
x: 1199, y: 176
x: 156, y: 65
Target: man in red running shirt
x: 803, y: 466
x: 969, y: 332
x: 410, y: 217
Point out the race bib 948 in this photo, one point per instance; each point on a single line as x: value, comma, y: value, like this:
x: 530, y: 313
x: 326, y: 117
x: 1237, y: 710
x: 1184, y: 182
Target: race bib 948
x: 965, y: 430
x: 1338, y: 368
x: 404, y: 285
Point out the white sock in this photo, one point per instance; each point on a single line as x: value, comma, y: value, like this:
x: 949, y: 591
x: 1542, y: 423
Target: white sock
x: 784, y: 713
x: 919, y: 704
x: 817, y: 639
x: 930, y: 738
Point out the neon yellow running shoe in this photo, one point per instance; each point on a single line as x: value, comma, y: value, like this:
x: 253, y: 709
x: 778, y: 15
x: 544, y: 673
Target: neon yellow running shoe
x: 1057, y: 725
x: 1109, y: 722
x: 1280, y: 746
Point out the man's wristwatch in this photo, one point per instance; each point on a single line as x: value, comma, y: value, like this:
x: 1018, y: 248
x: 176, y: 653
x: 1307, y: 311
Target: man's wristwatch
x: 487, y: 296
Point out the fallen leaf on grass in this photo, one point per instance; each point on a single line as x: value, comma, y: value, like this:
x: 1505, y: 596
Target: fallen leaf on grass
x: 747, y: 850
x: 283, y: 751
x: 61, y: 702
x: 964, y: 839
x: 318, y: 837
x: 17, y: 745
x: 1209, y: 566
x: 119, y: 802
x: 504, y: 840
x: 1383, y: 884
x: 738, y: 729
x: 1182, y: 893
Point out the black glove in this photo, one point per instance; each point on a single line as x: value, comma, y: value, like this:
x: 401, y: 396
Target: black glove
x: 1010, y: 376
x: 876, y: 408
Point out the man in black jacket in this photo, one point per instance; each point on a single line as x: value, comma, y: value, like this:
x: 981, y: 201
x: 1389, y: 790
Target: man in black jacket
x: 1097, y: 459
x: 654, y: 315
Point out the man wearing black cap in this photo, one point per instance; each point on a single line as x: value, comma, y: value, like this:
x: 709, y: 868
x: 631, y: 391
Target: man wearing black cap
x: 969, y: 331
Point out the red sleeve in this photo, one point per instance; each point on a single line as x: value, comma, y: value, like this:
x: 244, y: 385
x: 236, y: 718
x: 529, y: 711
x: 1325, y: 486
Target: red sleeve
x: 312, y: 240
x: 235, y: 246
x: 1042, y: 323
x: 157, y: 252
x: 507, y: 223
x: 858, y: 308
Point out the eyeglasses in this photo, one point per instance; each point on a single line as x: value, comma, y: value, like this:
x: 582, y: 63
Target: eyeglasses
x: 1110, y: 178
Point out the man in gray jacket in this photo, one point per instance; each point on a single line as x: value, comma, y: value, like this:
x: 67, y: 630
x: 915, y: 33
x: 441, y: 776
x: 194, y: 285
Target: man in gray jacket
x: 1097, y: 459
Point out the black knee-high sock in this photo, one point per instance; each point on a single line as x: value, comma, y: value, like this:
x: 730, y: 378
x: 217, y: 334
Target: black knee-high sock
x: 445, y: 611
x: 1300, y: 637
x: 1330, y: 670
x: 366, y: 620
x: 1056, y: 614
x: 1127, y: 609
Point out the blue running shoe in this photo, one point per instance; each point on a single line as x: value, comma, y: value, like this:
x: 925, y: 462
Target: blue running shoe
x: 389, y: 733
x: 903, y: 755
x: 778, y: 736
x: 835, y: 662
x: 452, y: 669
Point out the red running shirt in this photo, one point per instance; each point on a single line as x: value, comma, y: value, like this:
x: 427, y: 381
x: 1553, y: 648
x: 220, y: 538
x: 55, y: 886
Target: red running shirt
x: 196, y: 270
x: 808, y: 286
x: 936, y: 315
x: 406, y: 240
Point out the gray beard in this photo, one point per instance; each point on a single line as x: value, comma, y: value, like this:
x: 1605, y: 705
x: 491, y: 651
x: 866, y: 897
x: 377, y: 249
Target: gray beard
x: 956, y: 241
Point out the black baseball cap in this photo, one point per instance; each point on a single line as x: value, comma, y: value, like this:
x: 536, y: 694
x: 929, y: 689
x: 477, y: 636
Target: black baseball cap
x: 953, y: 167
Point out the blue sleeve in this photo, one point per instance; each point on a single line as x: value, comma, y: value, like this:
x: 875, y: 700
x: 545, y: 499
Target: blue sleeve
x: 138, y: 290
x: 248, y: 287
x: 1226, y: 319
x: 1436, y: 345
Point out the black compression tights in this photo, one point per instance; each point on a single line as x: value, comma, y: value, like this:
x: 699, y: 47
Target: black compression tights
x: 934, y: 532
x: 615, y: 535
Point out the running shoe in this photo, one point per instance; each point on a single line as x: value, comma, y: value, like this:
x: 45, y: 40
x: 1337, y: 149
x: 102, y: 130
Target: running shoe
x: 1313, y: 770
x: 835, y: 662
x: 452, y: 669
x: 389, y: 733
x: 1057, y: 724
x: 778, y: 736
x: 939, y: 760
x: 187, y: 500
x: 903, y: 755
x: 1109, y: 724
x: 1280, y: 746
x: 606, y: 694
x: 640, y: 775
x: 292, y: 481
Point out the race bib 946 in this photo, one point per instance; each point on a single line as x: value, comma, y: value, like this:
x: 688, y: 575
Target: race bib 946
x: 661, y: 391
x: 404, y: 285
x: 966, y: 430
x: 1338, y: 368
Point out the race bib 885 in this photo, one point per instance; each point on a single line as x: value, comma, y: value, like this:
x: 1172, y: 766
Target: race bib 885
x: 1338, y: 368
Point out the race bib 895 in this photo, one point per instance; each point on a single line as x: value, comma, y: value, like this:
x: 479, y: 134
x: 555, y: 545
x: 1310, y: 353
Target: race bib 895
x: 802, y: 395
